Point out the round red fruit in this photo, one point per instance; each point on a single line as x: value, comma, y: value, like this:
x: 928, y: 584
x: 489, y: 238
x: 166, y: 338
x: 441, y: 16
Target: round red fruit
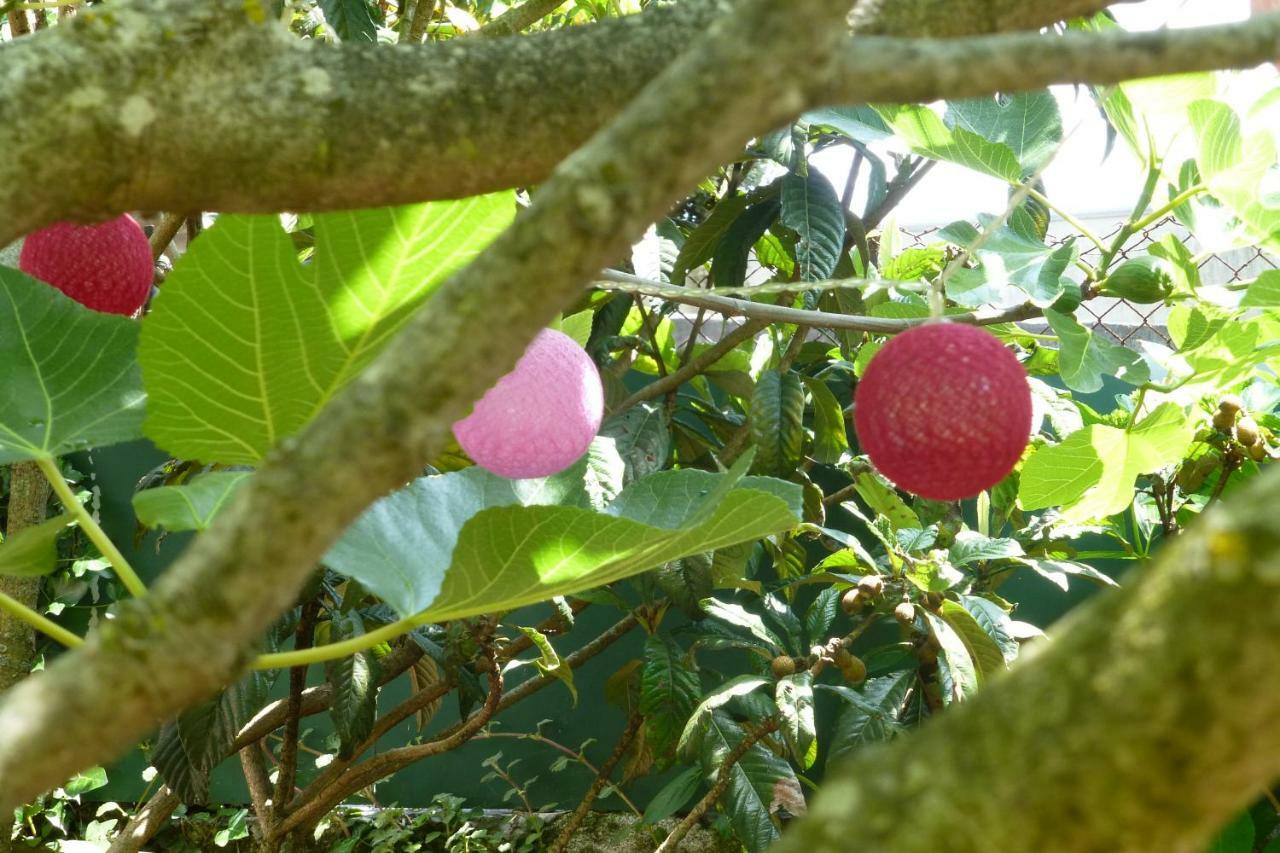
x: 106, y: 267
x: 944, y: 411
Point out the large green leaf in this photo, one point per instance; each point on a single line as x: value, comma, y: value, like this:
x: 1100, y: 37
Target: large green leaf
x: 986, y: 655
x: 1007, y: 258
x: 957, y: 669
x: 1263, y: 292
x: 466, y: 543
x: 729, y: 263
x: 245, y: 345
x: 859, y: 122
x: 701, y: 244
x: 760, y: 783
x: 641, y: 437
x: 925, y: 132
x: 1090, y: 474
x: 1239, y: 169
x: 777, y: 422
x: 1027, y: 122
x: 354, y: 680
x: 794, y: 698
x: 811, y: 208
x: 872, y: 712
x: 830, y: 434
x: 33, y: 551
x: 1084, y: 357
x: 191, y: 506
x: 69, y: 374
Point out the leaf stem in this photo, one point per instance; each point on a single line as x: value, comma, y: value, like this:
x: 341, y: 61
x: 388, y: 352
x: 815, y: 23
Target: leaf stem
x: 99, y: 537
x: 334, y: 651
x: 44, y: 625
x: 1081, y: 229
x: 1174, y: 203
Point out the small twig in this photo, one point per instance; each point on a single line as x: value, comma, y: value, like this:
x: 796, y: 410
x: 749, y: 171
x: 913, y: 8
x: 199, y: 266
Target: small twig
x: 903, y: 182
x: 694, y: 330
x: 579, y: 757
x: 255, y: 775
x: 422, y: 14
x: 601, y: 780
x: 166, y: 229
x: 704, y: 805
x: 695, y: 366
x: 303, y: 638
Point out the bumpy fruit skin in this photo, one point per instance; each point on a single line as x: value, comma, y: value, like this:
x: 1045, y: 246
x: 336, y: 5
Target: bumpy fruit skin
x: 106, y: 267
x: 540, y: 418
x: 944, y: 411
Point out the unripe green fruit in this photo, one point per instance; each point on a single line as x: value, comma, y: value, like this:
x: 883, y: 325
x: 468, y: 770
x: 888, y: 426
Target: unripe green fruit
x: 1069, y: 301
x: 1223, y: 420
x: 782, y: 666
x: 852, y: 602
x: 871, y: 586
x: 905, y: 613
x: 1230, y: 404
x: 1143, y: 280
x: 1247, y: 431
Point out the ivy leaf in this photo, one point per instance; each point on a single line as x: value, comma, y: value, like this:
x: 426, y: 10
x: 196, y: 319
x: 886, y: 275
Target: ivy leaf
x: 794, y: 698
x: 830, y: 437
x: 1028, y: 123
x: 811, y: 208
x: 777, y: 422
x: 922, y: 129
x: 1091, y: 473
x: 351, y: 20
x: 760, y: 783
x: 33, y: 551
x: 191, y: 506
x: 1084, y: 358
x: 669, y: 690
x: 244, y: 345
x: 70, y: 376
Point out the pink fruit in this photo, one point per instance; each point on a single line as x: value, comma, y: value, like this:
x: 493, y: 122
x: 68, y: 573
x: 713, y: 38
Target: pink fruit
x: 944, y: 411
x: 106, y: 267
x: 540, y: 418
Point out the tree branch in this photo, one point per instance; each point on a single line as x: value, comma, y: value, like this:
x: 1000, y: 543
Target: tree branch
x: 519, y: 18
x: 192, y: 633
x: 1174, y: 673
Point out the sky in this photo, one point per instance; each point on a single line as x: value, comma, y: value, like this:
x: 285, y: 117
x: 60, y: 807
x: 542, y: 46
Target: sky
x: 1079, y: 179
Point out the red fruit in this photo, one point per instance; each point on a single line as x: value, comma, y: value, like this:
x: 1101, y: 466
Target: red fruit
x: 944, y: 411
x: 106, y: 267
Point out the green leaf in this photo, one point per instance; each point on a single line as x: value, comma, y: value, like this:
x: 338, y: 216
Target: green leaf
x: 1057, y: 571
x: 995, y: 622
x: 872, y: 712
x: 354, y: 680
x: 922, y: 129
x: 1154, y: 110
x: 729, y: 263
x: 1028, y: 123
x: 734, y: 688
x: 973, y: 547
x: 811, y: 208
x: 1236, y: 837
x: 1236, y: 168
x: 830, y: 436
x: 686, y: 582
x: 702, y: 243
x: 69, y: 374
x: 191, y: 506
x: 673, y: 796
x: 1263, y: 292
x: 352, y: 20
x: 505, y: 546
x: 883, y: 500
x: 794, y: 698
x: 641, y: 437
x: 1007, y: 259
x: 33, y: 552
x: 1091, y: 473
x: 669, y: 690
x: 777, y: 422
x: 986, y: 655
x: 244, y: 345
x: 760, y: 783
x: 1084, y: 358
x: 821, y: 613
x: 550, y: 663
x: 739, y: 616
x: 86, y: 781
x: 958, y: 668
x: 858, y: 122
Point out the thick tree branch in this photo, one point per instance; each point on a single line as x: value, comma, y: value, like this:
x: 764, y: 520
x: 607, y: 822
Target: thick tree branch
x: 1174, y: 673
x: 192, y: 633
x: 173, y: 105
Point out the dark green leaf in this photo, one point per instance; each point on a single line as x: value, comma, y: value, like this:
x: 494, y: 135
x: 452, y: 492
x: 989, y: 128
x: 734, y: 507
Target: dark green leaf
x: 352, y: 20
x: 673, y: 796
x: 811, y: 208
x: 1084, y: 358
x: 873, y: 711
x: 760, y: 784
x: 729, y: 264
x: 794, y: 698
x: 642, y: 439
x: 702, y: 243
x: 1027, y: 122
x: 191, y: 506
x: 830, y: 437
x: 354, y: 680
x: 777, y: 422
x: 669, y: 690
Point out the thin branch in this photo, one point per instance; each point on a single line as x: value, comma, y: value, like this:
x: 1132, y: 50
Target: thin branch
x: 519, y: 18
x: 303, y: 637
x: 597, y: 785
x: 166, y: 229
x: 695, y: 366
x: 255, y: 775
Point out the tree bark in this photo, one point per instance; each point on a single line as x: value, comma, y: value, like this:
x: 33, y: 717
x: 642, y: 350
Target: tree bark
x: 1144, y: 724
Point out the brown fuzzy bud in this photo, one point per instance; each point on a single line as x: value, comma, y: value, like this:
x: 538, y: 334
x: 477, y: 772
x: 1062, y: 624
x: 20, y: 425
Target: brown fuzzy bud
x: 1231, y: 404
x: 871, y: 586
x: 852, y: 668
x: 1223, y: 420
x: 852, y: 601
x: 905, y: 613
x: 783, y: 665
x: 1258, y: 451
x: 1247, y: 431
